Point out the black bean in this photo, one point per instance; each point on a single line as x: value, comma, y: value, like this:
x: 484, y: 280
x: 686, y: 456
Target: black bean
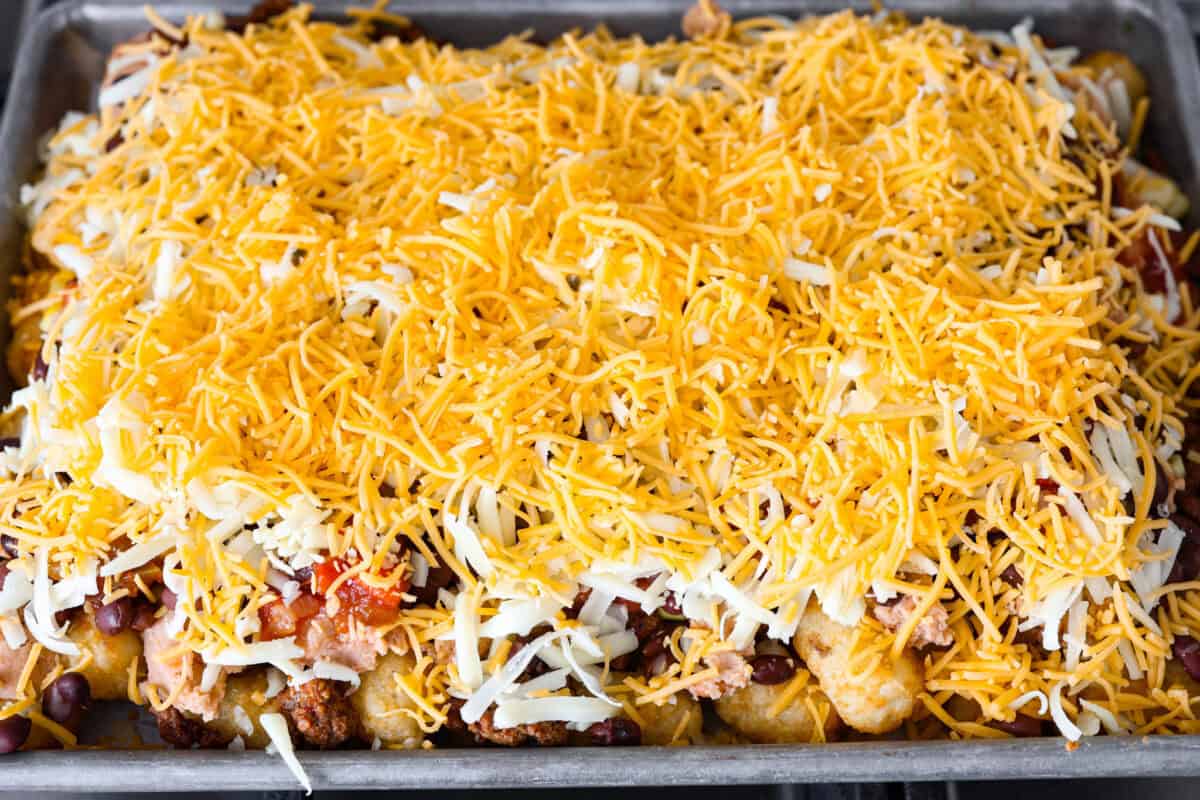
x: 9, y: 441
x: 1191, y: 432
x: 624, y: 663
x: 1012, y: 576
x: 1187, y: 650
x: 144, y: 617
x: 9, y: 543
x: 1191, y: 476
x: 1022, y: 726
x: 536, y: 667
x: 379, y: 29
x: 1188, y: 525
x: 13, y: 733
x: 40, y: 367
x: 770, y: 669
x: 114, y: 141
x: 262, y: 12
x: 1189, y: 505
x: 617, y: 731
x: 439, y: 577
x: 634, y: 607
x: 1030, y: 638
x: 655, y: 645
x: 1187, y: 562
x: 387, y: 491
x: 644, y: 628
x: 1162, y: 485
x: 66, y: 699
x: 114, y: 617
x: 1047, y: 485
x: 581, y: 597
x: 671, y: 605
x: 656, y: 653
x: 656, y: 665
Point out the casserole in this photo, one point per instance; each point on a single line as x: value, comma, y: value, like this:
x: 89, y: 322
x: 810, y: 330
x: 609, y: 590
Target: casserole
x: 1168, y: 132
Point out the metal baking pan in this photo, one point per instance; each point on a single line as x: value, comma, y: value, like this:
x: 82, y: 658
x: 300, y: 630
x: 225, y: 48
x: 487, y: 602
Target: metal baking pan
x: 58, y: 67
x: 20, y: 16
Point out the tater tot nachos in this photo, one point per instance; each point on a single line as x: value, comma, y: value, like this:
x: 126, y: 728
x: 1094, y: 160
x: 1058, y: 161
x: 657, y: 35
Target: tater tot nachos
x: 790, y: 381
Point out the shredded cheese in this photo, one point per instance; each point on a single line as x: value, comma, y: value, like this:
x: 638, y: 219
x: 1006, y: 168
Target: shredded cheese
x: 611, y: 316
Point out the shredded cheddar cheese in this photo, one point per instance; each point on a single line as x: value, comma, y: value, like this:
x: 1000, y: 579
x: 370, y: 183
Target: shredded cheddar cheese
x: 788, y: 316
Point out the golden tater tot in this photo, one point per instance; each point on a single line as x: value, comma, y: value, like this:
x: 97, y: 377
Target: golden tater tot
x: 663, y: 725
x: 1120, y: 67
x: 107, y: 671
x: 748, y: 711
x: 242, y: 706
x: 877, y: 700
x: 1143, y: 186
x: 379, y: 701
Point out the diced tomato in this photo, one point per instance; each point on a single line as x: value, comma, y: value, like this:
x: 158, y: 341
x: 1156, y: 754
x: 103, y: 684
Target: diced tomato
x: 1152, y: 263
x: 278, y: 619
x: 325, y: 573
x: 1047, y: 485
x: 370, y: 604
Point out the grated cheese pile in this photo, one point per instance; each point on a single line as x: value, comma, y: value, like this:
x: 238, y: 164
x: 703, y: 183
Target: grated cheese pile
x: 801, y: 312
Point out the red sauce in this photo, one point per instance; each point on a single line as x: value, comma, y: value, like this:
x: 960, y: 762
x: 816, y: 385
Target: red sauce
x: 369, y: 604
x: 279, y: 619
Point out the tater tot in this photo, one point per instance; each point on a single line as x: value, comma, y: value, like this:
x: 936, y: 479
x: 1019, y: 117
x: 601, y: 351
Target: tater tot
x: 748, y: 711
x: 661, y: 723
x: 378, y: 702
x: 1120, y: 66
x: 27, y: 331
x: 1144, y: 186
x: 875, y: 702
x: 23, y: 349
x: 242, y: 706
x: 107, y: 671
x: 1175, y: 674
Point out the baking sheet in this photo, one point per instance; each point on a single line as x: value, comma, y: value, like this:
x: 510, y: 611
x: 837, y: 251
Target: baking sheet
x: 58, y: 67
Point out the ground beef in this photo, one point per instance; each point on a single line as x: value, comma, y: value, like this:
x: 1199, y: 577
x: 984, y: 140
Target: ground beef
x: 933, y: 629
x: 443, y: 651
x: 733, y: 672
x: 704, y: 18
x: 545, y: 734
x: 320, y: 712
x: 185, y: 732
x: 263, y: 11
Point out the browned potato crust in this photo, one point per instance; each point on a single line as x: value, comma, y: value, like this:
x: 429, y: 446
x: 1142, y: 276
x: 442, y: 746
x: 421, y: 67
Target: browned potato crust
x: 243, y: 704
x: 1121, y: 67
x: 748, y: 711
x: 378, y: 701
x: 875, y: 702
x: 661, y: 722
x: 108, y: 670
